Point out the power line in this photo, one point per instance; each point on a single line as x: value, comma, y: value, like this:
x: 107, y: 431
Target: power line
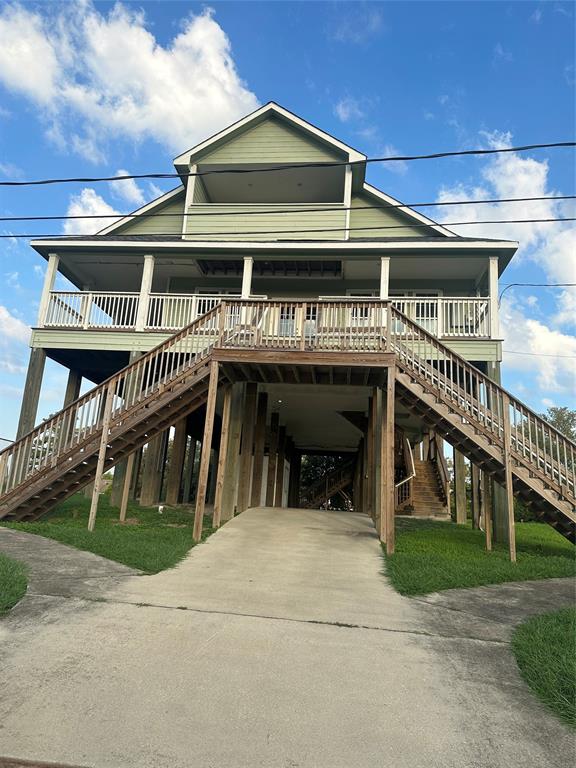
x: 537, y: 354
x: 534, y: 285
x: 286, y: 167
x: 298, y: 231
x: 385, y: 206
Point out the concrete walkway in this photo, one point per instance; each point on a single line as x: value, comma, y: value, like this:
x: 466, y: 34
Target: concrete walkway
x: 278, y: 642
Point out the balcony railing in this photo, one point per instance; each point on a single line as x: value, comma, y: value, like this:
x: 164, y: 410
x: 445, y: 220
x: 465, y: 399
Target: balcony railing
x: 443, y: 317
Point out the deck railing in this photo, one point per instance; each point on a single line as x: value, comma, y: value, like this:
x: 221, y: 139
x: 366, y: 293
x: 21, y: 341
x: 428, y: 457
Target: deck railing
x: 444, y: 317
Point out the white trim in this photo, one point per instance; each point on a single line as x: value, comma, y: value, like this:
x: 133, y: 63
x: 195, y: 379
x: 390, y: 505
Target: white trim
x: 408, y: 211
x: 263, y: 245
x: 144, y: 209
x: 48, y: 287
x: 271, y: 107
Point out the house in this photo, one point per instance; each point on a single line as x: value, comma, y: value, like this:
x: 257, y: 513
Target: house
x: 274, y: 304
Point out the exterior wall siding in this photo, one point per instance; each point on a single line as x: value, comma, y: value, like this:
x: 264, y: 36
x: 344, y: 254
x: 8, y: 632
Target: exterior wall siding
x: 149, y: 225
x: 199, y: 227
x: 200, y: 195
x: 271, y: 142
x: 381, y: 218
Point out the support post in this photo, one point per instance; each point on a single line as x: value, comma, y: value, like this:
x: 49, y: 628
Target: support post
x: 475, y: 494
x: 189, y: 470
x: 247, y: 446
x: 247, y: 277
x: 259, y: 444
x: 377, y: 478
x: 152, y: 473
x: 368, y: 494
x: 72, y: 387
x: 295, y: 468
x: 32, y: 387
x: 384, y: 277
x: 101, y: 455
x: 205, y: 454
x: 387, y: 488
x: 126, y: 487
x: 509, y: 480
x: 48, y: 287
x: 488, y: 500
x: 176, y: 467
x: 272, y: 459
x: 493, y: 294
x: 145, y: 288
x: 222, y: 456
x: 230, y: 490
x: 279, y: 488
x: 460, y: 487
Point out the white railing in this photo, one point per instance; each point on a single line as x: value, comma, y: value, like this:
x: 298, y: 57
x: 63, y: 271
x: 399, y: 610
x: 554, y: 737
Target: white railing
x: 443, y: 317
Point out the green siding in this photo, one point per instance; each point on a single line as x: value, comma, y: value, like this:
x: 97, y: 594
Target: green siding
x: 333, y: 217
x: 150, y: 225
x: 271, y: 141
x: 200, y: 195
x: 382, y: 218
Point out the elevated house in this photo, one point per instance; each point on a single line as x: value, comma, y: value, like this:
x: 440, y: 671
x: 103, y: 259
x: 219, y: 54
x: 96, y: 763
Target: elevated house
x: 275, y: 304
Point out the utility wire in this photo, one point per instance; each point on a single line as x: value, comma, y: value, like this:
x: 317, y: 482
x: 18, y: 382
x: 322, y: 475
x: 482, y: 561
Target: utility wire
x: 295, y: 231
x: 537, y: 354
x: 534, y: 285
x: 385, y: 206
x: 285, y: 167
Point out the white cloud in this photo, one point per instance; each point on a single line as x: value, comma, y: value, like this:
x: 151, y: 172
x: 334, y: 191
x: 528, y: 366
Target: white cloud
x: 551, y: 246
x: 127, y: 189
x: 357, y: 26
x: 536, y: 17
x: 98, y: 76
x: 88, y: 202
x: 547, y: 353
x: 501, y: 54
x: 394, y: 166
x: 348, y: 109
x: 11, y: 328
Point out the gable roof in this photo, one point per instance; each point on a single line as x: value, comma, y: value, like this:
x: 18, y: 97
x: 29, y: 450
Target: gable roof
x: 268, y: 111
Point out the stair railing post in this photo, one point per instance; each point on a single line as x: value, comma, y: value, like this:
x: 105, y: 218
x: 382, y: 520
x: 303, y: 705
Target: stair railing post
x: 101, y: 454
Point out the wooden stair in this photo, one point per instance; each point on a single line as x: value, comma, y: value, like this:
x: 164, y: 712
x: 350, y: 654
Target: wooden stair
x: 427, y: 492
x: 336, y: 481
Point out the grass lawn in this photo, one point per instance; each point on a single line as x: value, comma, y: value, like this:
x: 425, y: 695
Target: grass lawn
x: 148, y: 541
x: 435, y: 555
x: 13, y: 582
x: 545, y: 649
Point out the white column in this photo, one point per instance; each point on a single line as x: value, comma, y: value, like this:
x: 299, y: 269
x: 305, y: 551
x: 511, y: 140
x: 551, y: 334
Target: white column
x: 493, y: 294
x: 145, y: 288
x: 384, y: 277
x: 347, y: 199
x: 49, y: 278
x: 247, y: 277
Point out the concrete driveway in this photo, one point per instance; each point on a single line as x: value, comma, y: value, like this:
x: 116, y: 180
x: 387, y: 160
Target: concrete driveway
x: 277, y: 642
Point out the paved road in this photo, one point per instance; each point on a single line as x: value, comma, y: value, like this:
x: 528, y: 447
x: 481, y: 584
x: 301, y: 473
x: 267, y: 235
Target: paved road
x: 276, y: 643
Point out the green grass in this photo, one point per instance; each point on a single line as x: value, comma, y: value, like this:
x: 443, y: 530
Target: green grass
x: 13, y: 582
x: 149, y: 541
x: 545, y: 649
x: 434, y: 555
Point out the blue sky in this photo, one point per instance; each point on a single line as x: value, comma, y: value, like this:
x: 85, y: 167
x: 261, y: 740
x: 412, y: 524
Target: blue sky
x: 96, y: 88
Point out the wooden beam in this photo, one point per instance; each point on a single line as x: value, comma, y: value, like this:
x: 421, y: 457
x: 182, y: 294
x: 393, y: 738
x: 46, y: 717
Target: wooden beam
x: 230, y: 490
x: 388, y: 474
x: 487, y: 502
x: 205, y: 454
x: 460, y: 487
x: 279, y: 490
x: 107, y: 417
x: 369, y: 477
x: 294, y: 485
x: 189, y: 470
x: 509, y: 480
x: 222, y: 456
x: 475, y: 494
x: 127, y: 484
x: 248, y: 420
x: 377, y: 478
x: 176, y: 468
x: 259, y: 445
x: 273, y: 448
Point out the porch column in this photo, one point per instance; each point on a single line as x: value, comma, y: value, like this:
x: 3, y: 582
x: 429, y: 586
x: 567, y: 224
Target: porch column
x: 347, y: 199
x: 460, y: 487
x: 230, y: 488
x: 32, y: 387
x: 205, y: 454
x: 145, y: 288
x: 176, y: 467
x: 272, y: 459
x: 387, y: 488
x: 247, y: 446
x: 493, y: 294
x: 247, y: 277
x: 377, y: 472
x: 49, y: 278
x: 72, y: 387
x: 259, y: 442
x: 384, y: 276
